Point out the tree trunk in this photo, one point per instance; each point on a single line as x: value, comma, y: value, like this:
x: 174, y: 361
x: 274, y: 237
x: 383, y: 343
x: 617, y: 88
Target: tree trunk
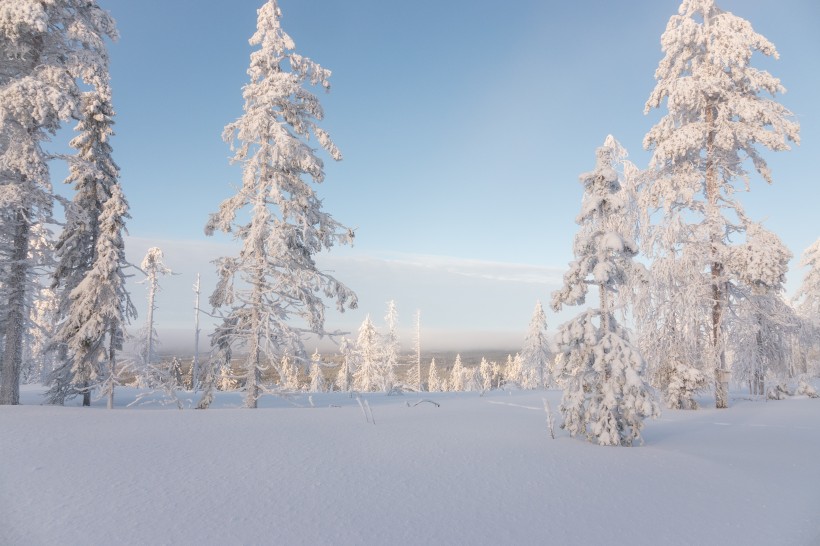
x: 606, y: 326
x: 195, y: 363
x: 152, y: 293
x: 16, y: 317
x: 112, y: 364
x: 254, y: 363
x: 418, y: 348
x: 252, y: 379
x: 716, y: 267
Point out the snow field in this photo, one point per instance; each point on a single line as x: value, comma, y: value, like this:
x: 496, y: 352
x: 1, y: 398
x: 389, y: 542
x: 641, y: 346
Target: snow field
x: 476, y: 470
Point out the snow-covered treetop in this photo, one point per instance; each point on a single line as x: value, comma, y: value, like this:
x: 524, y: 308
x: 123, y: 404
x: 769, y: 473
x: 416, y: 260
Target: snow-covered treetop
x: 272, y: 38
x: 95, y: 131
x: 48, y: 46
x: 36, y: 36
x: 153, y: 263
x: 93, y: 173
x: 601, y: 249
x: 278, y: 93
x: 271, y: 141
x: 710, y: 88
x: 811, y: 257
x: 392, y: 317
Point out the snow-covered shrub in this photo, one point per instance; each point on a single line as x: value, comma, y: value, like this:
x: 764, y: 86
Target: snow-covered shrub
x: 804, y: 388
x: 685, y: 382
x: 778, y: 391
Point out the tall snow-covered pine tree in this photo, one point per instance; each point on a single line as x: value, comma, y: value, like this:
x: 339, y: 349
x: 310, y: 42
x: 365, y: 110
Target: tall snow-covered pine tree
x: 720, y: 111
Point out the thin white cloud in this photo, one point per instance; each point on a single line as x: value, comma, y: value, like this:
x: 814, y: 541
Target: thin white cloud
x: 464, y: 267
x: 482, y: 269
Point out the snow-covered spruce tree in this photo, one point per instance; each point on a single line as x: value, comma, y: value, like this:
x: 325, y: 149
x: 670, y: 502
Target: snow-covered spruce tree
x: 101, y: 307
x: 92, y: 172
x: 536, y: 352
x: 225, y: 380
x: 344, y: 374
x: 497, y: 374
x: 153, y: 265
x: 486, y: 371
x: 368, y: 375
x: 48, y: 47
x: 719, y: 113
x: 279, y: 277
x: 472, y: 379
x: 175, y: 369
x: 91, y: 259
x: 605, y: 396
x: 762, y: 335
x: 433, y: 379
x: 289, y: 380
x: 513, y: 370
x: 456, y: 381
x: 413, y: 378
x: 391, y: 347
x: 219, y: 365
x: 317, y: 376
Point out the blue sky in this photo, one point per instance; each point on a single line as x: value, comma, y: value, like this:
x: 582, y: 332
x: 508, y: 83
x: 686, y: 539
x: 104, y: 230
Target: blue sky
x: 464, y: 125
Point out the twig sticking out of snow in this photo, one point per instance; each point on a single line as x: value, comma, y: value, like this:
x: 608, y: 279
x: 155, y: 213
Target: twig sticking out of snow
x: 366, y: 411
x: 550, y: 418
x: 436, y: 404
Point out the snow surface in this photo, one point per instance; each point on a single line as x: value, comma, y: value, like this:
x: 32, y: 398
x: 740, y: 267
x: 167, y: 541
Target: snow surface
x: 476, y: 470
